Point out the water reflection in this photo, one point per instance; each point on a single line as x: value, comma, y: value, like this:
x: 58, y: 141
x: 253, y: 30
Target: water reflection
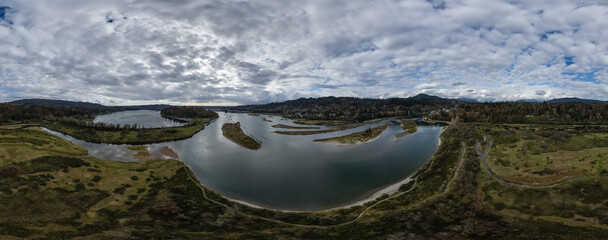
x: 143, y: 118
x: 293, y: 172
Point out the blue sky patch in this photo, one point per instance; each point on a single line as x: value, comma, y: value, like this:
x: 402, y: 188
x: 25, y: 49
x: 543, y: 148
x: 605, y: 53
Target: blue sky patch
x: 583, y: 77
x: 569, y: 61
x: 3, y: 15
x: 545, y: 35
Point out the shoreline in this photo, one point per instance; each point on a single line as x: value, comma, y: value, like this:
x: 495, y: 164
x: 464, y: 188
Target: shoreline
x: 390, y: 190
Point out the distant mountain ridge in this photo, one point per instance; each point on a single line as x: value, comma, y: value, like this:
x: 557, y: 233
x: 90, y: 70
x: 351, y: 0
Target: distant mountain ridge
x: 353, y: 108
x: 417, y: 99
x: 58, y: 103
x: 64, y: 103
x: 574, y: 99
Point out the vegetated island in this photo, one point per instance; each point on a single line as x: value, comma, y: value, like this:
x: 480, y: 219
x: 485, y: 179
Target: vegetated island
x: 187, y: 114
x: 358, y: 137
x: 304, y: 121
x: 409, y: 127
x: 292, y: 127
x: 334, y: 129
x: 234, y: 132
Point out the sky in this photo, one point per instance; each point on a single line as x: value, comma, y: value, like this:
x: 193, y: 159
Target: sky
x: 241, y: 52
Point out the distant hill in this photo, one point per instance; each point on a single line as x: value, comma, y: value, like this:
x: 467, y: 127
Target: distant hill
x: 352, y: 108
x: 467, y: 100
x: 59, y: 103
x: 529, y: 100
x: 155, y: 107
x: 63, y: 103
x: 577, y: 100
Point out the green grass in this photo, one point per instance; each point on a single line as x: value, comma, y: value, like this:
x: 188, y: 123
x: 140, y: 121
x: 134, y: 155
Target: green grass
x: 139, y: 136
x: 358, y: 137
x: 234, y: 132
x: 22, y: 143
x: 55, y: 195
x: 409, y: 127
x: 539, y: 154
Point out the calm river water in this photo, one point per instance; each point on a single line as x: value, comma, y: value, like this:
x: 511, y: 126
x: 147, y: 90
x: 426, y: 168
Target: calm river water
x: 290, y: 172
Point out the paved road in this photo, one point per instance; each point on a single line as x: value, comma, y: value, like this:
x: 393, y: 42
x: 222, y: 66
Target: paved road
x: 485, y: 165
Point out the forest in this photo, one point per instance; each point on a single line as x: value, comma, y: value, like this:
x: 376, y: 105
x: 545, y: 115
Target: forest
x: 527, y: 113
x: 436, y: 108
x: 353, y: 109
x: 188, y: 112
x: 12, y: 113
x: 348, y: 109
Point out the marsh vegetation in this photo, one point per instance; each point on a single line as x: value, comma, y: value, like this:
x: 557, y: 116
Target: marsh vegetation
x: 234, y: 132
x: 358, y: 137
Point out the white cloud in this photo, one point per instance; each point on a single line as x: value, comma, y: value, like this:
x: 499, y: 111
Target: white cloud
x: 225, y: 52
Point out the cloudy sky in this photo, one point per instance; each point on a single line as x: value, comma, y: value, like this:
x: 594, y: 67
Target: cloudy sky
x: 237, y: 52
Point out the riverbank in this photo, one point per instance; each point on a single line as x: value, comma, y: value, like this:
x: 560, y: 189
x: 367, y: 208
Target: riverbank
x: 388, y: 190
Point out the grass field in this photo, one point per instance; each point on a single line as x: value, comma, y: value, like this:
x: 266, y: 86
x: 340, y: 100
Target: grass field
x: 23, y: 143
x: 536, y: 154
x: 48, y: 190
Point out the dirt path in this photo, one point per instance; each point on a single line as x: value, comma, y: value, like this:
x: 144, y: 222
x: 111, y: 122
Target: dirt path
x: 443, y: 189
x: 464, y: 149
x: 485, y: 165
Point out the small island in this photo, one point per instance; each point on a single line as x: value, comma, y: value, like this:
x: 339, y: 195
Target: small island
x: 187, y: 114
x: 292, y: 127
x: 358, y: 137
x: 409, y: 127
x: 234, y: 132
x: 334, y: 129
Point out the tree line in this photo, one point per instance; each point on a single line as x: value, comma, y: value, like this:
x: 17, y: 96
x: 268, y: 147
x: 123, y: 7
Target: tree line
x: 527, y: 112
x: 10, y: 113
x: 188, y: 112
x: 353, y: 109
